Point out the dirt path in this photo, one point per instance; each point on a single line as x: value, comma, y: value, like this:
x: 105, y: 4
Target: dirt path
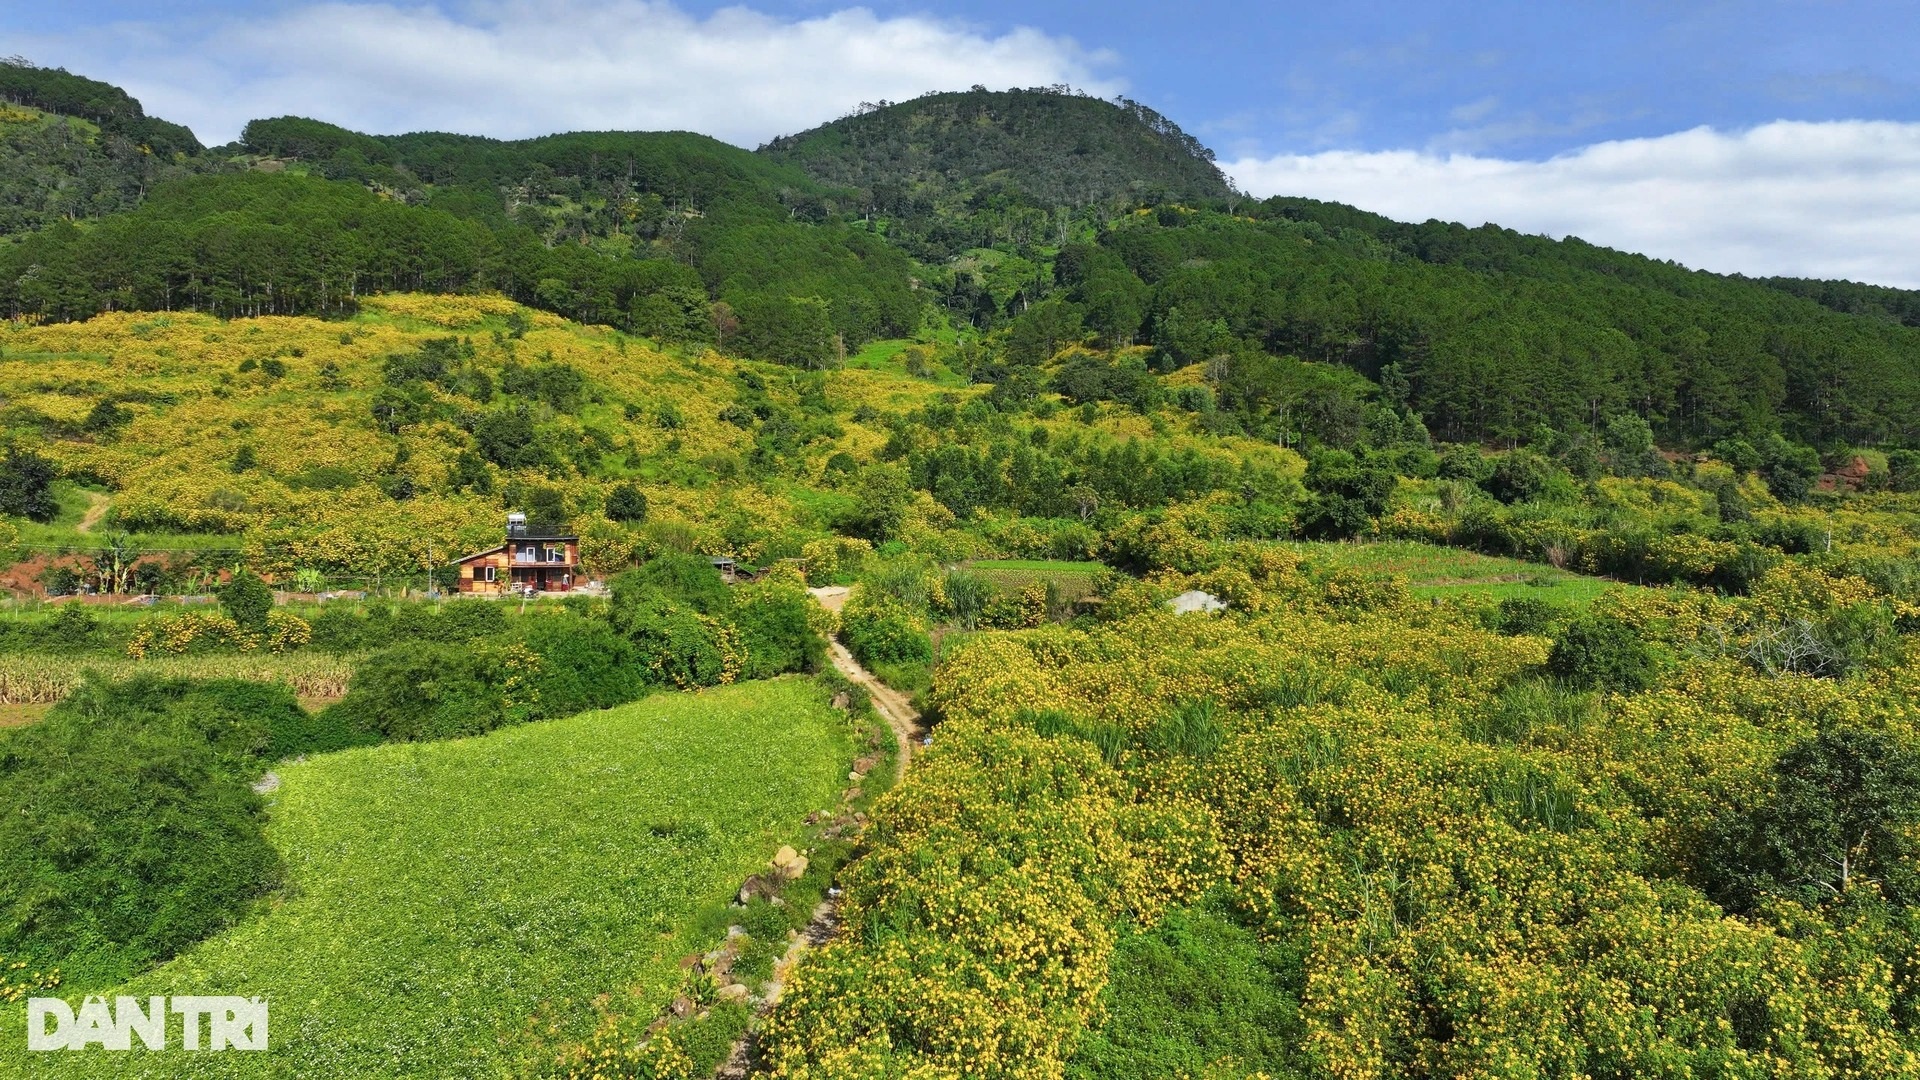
x: 891, y: 704
x: 96, y: 509
x: 904, y: 719
x: 740, y: 1063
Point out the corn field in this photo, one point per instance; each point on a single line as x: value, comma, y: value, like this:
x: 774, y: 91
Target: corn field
x: 40, y: 678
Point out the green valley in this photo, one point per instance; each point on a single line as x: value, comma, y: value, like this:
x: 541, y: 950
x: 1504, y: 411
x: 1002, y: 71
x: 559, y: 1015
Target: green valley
x: 958, y: 592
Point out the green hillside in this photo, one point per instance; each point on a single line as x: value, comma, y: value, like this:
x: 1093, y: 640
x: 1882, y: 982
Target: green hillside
x: 999, y: 229
x: 471, y: 907
x: 1548, y: 707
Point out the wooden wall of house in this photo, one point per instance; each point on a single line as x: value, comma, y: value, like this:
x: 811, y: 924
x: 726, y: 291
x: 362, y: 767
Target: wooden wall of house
x: 472, y: 579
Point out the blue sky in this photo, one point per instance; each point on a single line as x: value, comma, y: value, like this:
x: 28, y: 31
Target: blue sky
x: 1527, y: 79
x: 1549, y: 117
x: 1522, y: 79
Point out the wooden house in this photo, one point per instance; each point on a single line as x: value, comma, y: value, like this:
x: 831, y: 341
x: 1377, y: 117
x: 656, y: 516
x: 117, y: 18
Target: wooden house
x: 525, y: 562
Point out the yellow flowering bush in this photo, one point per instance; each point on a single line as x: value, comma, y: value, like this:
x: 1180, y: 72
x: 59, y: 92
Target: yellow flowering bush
x: 1482, y: 879
x: 172, y: 635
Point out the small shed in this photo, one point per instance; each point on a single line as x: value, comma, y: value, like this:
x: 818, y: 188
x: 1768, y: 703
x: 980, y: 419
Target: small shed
x: 1194, y: 600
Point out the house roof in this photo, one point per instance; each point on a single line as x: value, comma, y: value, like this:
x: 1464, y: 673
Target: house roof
x: 477, y: 554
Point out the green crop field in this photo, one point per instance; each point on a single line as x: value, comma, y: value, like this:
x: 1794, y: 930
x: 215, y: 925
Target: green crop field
x: 1044, y: 566
x: 454, y: 909
x: 1071, y: 580
x: 1433, y: 571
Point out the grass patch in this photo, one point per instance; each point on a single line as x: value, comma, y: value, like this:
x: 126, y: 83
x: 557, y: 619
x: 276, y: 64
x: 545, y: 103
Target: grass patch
x: 1198, y: 995
x: 1442, y: 572
x: 910, y: 677
x: 455, y: 908
x: 21, y: 715
x: 1573, y: 589
x: 890, y: 356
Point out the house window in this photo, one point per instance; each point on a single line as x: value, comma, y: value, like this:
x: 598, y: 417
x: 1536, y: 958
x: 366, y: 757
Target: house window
x: 486, y: 573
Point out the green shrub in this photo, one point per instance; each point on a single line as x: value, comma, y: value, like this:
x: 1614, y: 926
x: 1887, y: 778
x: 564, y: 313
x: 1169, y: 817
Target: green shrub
x: 1903, y: 470
x: 1527, y: 615
x: 247, y: 601
x: 1465, y: 463
x: 1789, y: 468
x: 26, y: 485
x: 774, y: 626
x: 59, y: 581
x: 878, y: 633
x: 1347, y: 495
x: 433, y: 691
x: 127, y: 829
x: 1737, y: 575
x: 627, y: 503
x: 1520, y: 476
x: 1596, y: 652
x: 680, y: 647
x: 324, y: 478
x: 323, y: 732
x: 338, y: 628
x: 72, y: 627
x: 686, y: 580
x: 1841, y: 812
x: 584, y: 665
x: 452, y: 623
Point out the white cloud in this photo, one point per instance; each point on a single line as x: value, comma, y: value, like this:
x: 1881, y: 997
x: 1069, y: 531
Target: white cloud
x: 515, y: 68
x: 1838, y: 199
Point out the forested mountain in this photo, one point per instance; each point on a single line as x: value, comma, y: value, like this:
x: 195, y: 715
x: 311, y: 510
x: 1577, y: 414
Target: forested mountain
x: 1037, y: 239
x: 74, y: 148
x: 1485, y: 333
x: 111, y: 109
x: 941, y: 161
